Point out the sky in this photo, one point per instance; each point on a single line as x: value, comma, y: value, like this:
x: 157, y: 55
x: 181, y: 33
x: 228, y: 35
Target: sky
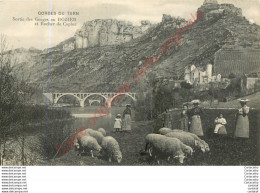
x: 26, y: 34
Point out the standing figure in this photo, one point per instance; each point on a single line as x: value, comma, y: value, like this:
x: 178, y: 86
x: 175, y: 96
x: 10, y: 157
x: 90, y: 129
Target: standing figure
x: 195, y: 114
x: 127, y: 118
x: 118, y: 123
x: 242, y: 124
x: 167, y: 119
x: 220, y: 125
x: 184, y: 118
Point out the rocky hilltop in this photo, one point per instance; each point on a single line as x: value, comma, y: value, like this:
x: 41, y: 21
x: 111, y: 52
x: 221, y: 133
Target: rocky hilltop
x: 212, y: 9
x: 109, y: 51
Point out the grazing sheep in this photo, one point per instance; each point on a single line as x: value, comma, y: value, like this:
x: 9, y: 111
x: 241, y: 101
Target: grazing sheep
x: 153, y: 138
x: 187, y: 140
x: 87, y: 143
x: 175, y: 147
x: 96, y: 134
x: 101, y: 130
x: 111, y: 147
x: 185, y: 148
x: 164, y: 130
x: 206, y: 146
x: 165, y: 146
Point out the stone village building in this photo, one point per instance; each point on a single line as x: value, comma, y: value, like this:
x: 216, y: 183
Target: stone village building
x: 197, y: 75
x: 250, y: 83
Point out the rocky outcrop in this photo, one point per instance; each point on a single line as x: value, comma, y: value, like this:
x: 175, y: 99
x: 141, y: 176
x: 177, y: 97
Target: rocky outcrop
x: 68, y: 47
x: 108, y: 32
x: 212, y: 10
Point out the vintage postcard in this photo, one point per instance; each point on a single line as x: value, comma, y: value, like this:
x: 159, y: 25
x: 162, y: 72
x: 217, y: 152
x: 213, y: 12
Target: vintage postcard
x: 132, y: 83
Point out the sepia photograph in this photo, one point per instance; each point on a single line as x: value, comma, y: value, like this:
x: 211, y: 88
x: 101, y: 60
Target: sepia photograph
x: 130, y: 83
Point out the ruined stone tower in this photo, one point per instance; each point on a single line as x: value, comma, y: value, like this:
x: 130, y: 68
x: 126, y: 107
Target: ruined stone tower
x: 206, y: 2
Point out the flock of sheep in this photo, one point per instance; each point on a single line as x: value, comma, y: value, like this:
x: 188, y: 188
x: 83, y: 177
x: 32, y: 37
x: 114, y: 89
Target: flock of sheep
x: 173, y: 144
x: 169, y: 144
x: 96, y: 140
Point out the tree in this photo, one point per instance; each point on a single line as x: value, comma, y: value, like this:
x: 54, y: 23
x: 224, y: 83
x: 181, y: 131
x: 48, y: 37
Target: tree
x: 14, y: 95
x: 8, y: 95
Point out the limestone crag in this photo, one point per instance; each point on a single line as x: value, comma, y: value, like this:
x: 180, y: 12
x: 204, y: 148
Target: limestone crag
x: 212, y: 10
x: 101, y: 32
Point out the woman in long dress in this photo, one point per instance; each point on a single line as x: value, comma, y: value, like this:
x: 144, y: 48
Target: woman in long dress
x: 127, y: 118
x: 195, y: 114
x: 184, y: 118
x: 242, y: 124
x: 167, y: 120
x: 220, y: 128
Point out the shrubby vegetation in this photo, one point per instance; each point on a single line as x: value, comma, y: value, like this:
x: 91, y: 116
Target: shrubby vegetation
x: 19, y: 119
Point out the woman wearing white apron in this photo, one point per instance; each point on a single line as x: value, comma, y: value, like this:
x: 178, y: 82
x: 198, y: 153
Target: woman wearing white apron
x: 220, y: 125
x: 242, y: 124
x: 195, y: 114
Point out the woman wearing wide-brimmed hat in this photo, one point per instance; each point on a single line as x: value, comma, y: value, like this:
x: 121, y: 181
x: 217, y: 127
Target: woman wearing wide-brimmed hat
x: 195, y: 114
x: 242, y: 122
x: 127, y: 118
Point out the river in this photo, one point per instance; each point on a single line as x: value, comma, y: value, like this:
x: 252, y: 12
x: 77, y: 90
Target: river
x: 106, y: 120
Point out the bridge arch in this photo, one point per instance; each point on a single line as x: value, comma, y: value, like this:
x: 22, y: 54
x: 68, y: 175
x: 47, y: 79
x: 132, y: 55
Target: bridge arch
x: 112, y: 98
x: 84, y: 99
x: 56, y: 100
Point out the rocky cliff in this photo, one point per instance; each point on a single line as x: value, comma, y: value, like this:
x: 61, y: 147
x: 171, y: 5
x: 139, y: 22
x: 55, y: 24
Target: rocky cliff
x: 108, y: 32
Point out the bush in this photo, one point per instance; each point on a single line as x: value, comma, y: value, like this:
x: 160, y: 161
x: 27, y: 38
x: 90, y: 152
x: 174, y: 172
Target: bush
x: 186, y: 85
x: 50, y: 136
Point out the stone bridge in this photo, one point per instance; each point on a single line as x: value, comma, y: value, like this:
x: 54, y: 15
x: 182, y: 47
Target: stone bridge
x: 81, y: 97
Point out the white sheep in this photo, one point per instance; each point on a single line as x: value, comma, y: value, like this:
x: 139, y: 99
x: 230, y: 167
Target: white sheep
x: 187, y: 140
x: 164, y: 130
x: 111, y: 147
x: 87, y: 144
x: 153, y: 138
x: 161, y: 145
x: 175, y: 147
x: 96, y: 134
x: 101, y: 130
x: 206, y: 146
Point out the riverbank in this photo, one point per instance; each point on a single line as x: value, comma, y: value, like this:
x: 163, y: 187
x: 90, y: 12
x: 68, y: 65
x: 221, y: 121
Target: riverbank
x: 223, y: 151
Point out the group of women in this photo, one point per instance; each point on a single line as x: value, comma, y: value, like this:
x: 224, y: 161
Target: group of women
x: 191, y: 120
